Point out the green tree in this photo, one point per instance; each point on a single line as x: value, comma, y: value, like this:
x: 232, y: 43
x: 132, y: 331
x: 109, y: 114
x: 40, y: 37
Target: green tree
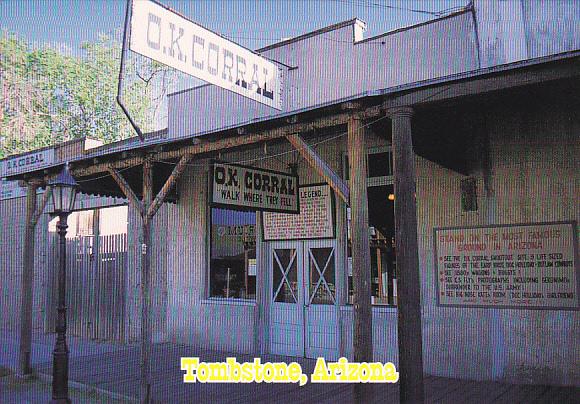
x: 48, y: 96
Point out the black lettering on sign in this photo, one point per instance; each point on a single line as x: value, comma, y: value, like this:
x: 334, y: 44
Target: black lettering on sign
x: 265, y: 92
x: 233, y: 177
x: 154, y: 20
x: 255, y: 80
x: 213, y: 62
x: 197, y: 41
x: 228, y: 65
x: 241, y: 72
x: 248, y: 180
x: 257, y: 181
x: 275, y: 184
x: 220, y: 175
x: 174, y: 42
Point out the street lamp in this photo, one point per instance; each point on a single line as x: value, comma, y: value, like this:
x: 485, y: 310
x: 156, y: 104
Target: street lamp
x: 64, y: 190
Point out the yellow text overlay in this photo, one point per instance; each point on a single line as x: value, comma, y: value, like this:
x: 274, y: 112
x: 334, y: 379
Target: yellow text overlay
x: 231, y: 371
x: 344, y: 371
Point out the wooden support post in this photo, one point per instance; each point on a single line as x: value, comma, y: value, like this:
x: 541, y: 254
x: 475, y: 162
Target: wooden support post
x: 96, y: 263
x: 147, y: 209
x: 26, y: 287
x: 33, y: 213
x: 316, y: 162
x: 408, y: 279
x: 361, y: 258
x: 145, y: 388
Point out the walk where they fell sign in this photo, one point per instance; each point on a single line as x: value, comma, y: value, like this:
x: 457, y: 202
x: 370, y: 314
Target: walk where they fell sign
x: 240, y: 187
x: 167, y: 37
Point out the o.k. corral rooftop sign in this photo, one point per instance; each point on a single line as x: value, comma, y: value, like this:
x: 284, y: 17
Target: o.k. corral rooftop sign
x: 162, y: 35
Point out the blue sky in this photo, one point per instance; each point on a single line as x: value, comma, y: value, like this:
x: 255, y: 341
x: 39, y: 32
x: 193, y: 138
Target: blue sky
x: 251, y: 23
x: 66, y: 24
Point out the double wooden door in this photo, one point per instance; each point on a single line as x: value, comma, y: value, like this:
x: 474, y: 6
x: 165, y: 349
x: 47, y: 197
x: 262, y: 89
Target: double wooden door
x: 304, y: 306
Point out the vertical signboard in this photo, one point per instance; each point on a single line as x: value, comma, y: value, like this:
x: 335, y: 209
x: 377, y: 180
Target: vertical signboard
x: 524, y: 266
x: 315, y: 221
x: 167, y: 37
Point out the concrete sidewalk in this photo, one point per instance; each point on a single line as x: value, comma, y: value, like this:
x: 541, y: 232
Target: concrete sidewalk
x: 33, y: 391
x: 43, y: 345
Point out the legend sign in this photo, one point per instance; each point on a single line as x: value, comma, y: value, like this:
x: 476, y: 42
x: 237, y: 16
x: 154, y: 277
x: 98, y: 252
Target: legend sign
x: 523, y: 266
x: 315, y: 221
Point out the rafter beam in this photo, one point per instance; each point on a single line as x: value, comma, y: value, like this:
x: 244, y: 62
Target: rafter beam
x: 227, y: 143
x: 224, y: 143
x: 323, y: 169
x: 175, y: 174
x: 126, y: 188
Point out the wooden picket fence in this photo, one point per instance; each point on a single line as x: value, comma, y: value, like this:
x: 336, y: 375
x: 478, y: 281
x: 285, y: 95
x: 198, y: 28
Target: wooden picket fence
x: 96, y: 286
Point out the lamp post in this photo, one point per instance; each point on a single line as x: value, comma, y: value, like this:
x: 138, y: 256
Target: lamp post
x: 64, y: 189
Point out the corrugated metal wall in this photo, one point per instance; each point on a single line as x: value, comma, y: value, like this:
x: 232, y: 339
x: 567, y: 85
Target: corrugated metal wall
x: 513, y: 30
x: 96, y: 276
x: 331, y: 66
x: 12, y: 223
x: 161, y: 231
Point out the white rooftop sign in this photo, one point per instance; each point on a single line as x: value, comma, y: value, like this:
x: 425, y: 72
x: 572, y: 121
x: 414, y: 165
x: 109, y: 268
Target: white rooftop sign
x: 161, y: 34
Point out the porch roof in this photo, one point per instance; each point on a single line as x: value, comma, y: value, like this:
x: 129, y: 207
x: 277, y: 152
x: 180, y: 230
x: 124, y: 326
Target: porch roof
x: 88, y: 166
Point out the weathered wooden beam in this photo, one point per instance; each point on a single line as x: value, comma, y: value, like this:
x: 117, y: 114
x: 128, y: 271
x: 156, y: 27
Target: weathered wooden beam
x: 251, y: 138
x: 162, y: 194
x: 408, y: 275
x: 45, y: 197
x: 220, y: 144
x: 122, y: 163
x: 27, y: 285
x: 361, y: 258
x: 145, y: 382
x: 323, y: 169
x: 33, y: 213
x: 126, y: 188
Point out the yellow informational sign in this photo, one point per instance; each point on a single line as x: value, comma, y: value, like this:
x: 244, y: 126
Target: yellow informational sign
x: 523, y: 265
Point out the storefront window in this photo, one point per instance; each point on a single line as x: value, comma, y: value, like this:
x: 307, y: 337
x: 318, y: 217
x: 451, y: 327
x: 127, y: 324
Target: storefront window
x: 232, y: 272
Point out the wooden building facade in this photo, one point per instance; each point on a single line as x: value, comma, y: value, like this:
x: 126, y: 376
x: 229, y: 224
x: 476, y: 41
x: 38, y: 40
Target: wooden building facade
x: 495, y: 134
